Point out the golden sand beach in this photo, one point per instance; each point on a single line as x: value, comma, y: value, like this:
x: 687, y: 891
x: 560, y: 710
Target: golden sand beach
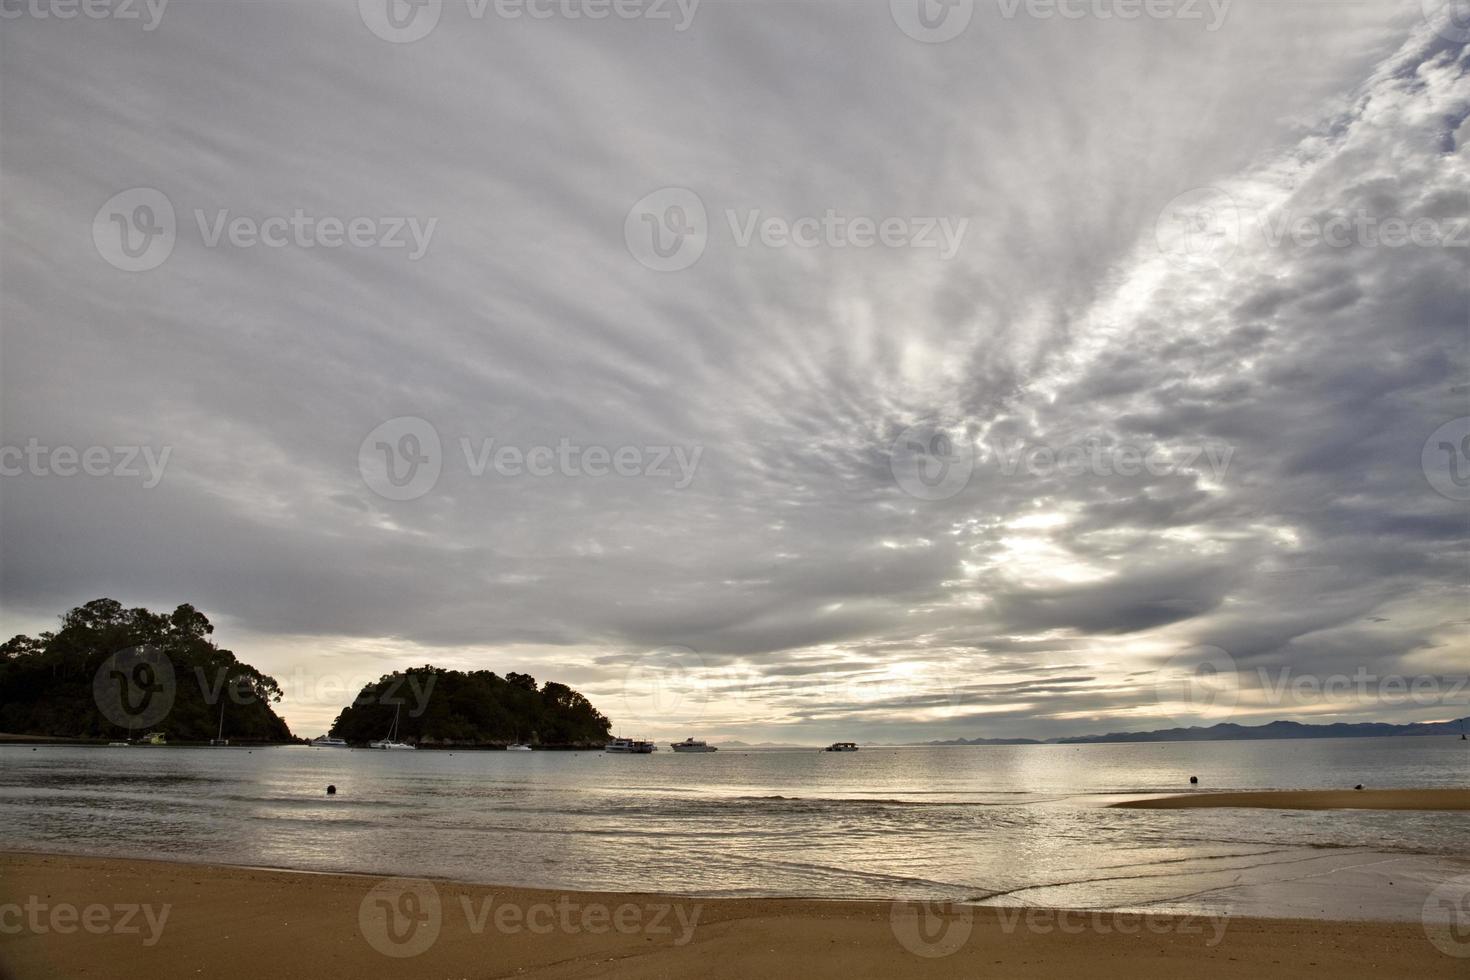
x: 238, y: 923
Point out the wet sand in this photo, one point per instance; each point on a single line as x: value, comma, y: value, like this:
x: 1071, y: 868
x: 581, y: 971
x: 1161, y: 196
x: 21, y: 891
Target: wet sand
x: 238, y: 923
x: 1328, y: 799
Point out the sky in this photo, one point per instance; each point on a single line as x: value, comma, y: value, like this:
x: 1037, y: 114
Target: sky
x: 769, y: 371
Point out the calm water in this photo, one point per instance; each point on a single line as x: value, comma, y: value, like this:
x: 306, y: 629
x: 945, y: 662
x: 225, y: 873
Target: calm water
x: 994, y: 824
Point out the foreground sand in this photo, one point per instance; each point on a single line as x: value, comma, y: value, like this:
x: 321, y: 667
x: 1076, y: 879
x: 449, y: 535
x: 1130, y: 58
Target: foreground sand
x: 1314, y: 799
x: 238, y: 923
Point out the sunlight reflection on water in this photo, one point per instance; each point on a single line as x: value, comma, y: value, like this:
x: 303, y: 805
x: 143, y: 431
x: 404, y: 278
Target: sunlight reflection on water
x: 955, y: 822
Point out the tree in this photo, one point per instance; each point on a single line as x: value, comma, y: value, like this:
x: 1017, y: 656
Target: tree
x: 47, y: 682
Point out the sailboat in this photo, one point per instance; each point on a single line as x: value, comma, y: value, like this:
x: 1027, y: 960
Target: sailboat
x: 391, y: 742
x: 219, y: 739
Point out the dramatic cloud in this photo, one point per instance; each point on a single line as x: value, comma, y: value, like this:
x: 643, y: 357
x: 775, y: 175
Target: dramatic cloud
x: 1208, y: 300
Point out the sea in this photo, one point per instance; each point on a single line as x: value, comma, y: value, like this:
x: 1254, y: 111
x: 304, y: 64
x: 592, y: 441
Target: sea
x: 1013, y: 825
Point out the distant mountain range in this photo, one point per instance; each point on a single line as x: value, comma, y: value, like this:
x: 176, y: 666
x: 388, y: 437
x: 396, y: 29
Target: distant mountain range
x: 1229, y: 732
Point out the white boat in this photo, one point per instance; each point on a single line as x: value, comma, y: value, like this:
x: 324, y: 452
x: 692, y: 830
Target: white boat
x: 219, y: 741
x: 391, y: 742
x: 328, y: 742
x: 630, y: 746
x: 841, y: 747
x: 518, y: 747
x: 692, y: 745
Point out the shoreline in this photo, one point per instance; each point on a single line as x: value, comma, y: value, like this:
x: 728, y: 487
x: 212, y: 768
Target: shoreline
x: 1310, y: 799
x: 235, y: 922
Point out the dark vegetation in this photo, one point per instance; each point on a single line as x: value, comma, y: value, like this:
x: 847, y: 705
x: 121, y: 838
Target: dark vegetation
x: 435, y: 706
x: 81, y: 681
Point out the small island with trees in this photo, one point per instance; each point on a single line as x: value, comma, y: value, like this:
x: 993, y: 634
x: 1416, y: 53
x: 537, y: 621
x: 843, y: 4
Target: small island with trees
x: 432, y: 708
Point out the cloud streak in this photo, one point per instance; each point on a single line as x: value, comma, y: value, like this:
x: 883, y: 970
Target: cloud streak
x: 1139, y: 270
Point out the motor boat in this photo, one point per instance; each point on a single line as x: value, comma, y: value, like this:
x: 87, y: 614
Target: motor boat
x: 692, y: 745
x: 630, y: 746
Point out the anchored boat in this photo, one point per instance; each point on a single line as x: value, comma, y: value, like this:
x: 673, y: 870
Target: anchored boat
x: 692, y: 745
x: 391, y: 742
x: 630, y: 746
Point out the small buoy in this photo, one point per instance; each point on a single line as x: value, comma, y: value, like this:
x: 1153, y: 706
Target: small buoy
x: 1359, y: 786
x: 331, y: 790
x: 1194, y: 780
